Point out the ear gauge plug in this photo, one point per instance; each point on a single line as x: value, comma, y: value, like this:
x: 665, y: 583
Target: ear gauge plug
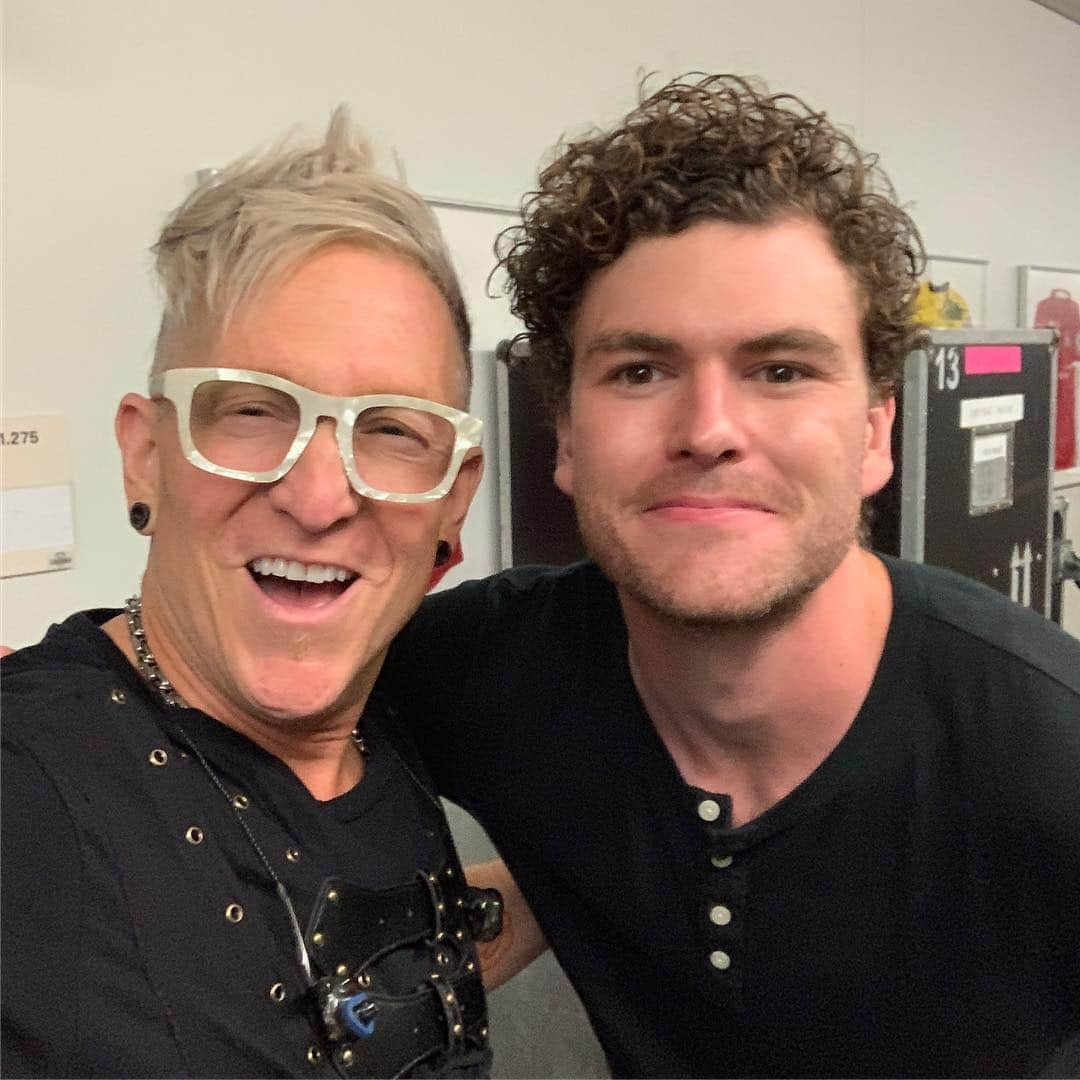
x: 139, y: 516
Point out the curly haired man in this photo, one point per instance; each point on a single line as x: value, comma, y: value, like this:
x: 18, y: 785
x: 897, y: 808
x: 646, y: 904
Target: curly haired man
x: 780, y: 806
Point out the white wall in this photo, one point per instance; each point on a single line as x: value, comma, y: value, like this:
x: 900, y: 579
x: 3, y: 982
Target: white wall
x: 110, y: 106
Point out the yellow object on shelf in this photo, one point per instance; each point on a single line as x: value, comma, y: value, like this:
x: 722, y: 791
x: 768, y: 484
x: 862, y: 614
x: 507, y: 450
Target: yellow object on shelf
x: 941, y: 305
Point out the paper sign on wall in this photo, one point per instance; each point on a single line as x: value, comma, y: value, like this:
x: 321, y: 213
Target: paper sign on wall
x: 37, y: 531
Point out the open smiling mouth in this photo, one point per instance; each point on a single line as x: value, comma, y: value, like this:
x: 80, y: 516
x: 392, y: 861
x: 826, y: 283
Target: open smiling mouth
x: 300, y: 584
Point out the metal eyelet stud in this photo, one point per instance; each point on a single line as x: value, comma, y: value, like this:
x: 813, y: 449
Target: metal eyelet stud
x: 314, y: 1054
x: 241, y: 802
x: 459, y: 934
x: 483, y: 1033
x: 449, y: 999
x: 442, y: 959
x: 234, y: 913
x: 292, y: 854
x: 364, y: 979
x: 277, y: 993
x: 346, y: 1056
x: 194, y: 835
x: 341, y: 969
x: 332, y: 895
x: 317, y: 939
x: 119, y: 697
x: 458, y: 1029
x: 470, y: 966
x: 158, y: 756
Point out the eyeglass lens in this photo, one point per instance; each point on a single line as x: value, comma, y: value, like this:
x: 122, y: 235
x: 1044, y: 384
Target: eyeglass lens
x: 251, y: 428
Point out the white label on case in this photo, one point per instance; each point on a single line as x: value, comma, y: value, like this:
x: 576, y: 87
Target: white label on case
x: 984, y: 411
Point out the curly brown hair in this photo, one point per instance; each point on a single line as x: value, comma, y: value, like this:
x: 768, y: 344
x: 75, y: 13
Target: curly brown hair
x: 707, y: 147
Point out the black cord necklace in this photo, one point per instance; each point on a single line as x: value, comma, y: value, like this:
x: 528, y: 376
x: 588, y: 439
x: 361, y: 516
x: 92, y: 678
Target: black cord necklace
x: 151, y: 672
x: 341, y: 1003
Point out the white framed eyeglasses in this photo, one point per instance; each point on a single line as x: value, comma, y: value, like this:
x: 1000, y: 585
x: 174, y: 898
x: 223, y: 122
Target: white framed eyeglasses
x: 248, y: 425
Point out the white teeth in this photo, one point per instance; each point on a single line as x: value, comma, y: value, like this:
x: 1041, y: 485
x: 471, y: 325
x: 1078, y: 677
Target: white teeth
x: 315, y: 573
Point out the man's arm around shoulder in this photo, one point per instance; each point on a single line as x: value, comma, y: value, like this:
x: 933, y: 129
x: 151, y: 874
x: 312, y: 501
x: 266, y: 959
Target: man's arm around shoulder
x: 520, y: 941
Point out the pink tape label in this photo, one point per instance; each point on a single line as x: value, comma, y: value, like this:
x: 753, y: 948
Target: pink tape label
x: 991, y: 359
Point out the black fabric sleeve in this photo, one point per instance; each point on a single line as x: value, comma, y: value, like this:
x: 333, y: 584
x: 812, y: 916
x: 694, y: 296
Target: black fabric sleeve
x: 428, y: 670
x: 1057, y: 850
x: 40, y: 914
x: 1039, y: 806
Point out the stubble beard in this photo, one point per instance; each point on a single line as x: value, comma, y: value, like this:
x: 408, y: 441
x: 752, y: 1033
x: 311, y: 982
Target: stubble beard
x: 784, y: 579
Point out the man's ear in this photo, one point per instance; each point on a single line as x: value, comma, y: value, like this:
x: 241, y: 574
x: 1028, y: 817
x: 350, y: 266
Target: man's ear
x: 136, y: 434
x: 460, y: 496
x: 564, y: 456
x: 877, y: 464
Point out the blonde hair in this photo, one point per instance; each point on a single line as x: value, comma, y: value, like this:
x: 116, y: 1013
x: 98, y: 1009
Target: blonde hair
x: 267, y: 212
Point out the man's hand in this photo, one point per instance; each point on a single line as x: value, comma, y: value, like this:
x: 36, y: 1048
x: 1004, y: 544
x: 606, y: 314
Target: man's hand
x: 5, y: 651
x: 521, y: 940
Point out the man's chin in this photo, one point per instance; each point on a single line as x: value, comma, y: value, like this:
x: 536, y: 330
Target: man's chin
x: 722, y: 609
x: 695, y: 596
x: 291, y: 690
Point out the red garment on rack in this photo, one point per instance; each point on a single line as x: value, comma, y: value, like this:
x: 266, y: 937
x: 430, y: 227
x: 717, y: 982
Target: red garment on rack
x: 1060, y: 311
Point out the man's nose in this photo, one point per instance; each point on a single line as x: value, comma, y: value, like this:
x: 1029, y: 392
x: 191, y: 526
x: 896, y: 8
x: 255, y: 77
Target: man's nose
x: 709, y: 423
x: 316, y: 492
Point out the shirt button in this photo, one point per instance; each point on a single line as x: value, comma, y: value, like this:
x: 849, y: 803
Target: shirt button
x: 721, y: 862
x: 720, y: 960
x: 708, y: 809
x: 720, y: 915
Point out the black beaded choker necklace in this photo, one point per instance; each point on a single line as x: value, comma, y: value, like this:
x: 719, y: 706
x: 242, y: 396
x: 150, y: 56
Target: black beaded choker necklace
x: 148, y: 665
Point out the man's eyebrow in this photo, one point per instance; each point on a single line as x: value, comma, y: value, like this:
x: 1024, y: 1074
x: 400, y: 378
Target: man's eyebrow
x: 793, y: 339
x: 611, y: 341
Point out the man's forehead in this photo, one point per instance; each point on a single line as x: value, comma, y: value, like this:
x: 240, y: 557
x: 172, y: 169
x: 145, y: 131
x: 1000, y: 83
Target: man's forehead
x: 344, y: 362
x: 718, y: 279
